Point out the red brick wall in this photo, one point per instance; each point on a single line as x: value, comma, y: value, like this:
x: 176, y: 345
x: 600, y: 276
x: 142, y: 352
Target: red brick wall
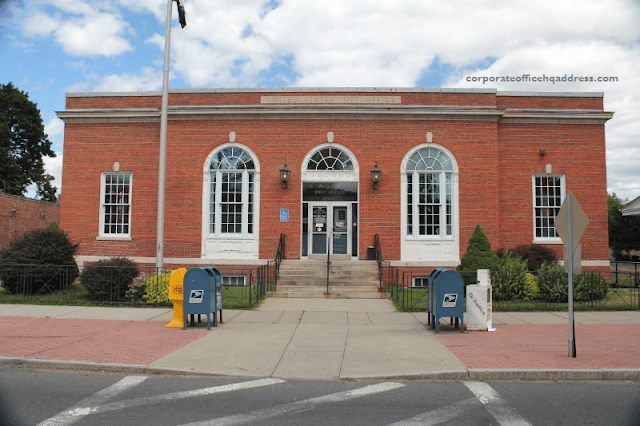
x: 20, y: 215
x: 496, y: 165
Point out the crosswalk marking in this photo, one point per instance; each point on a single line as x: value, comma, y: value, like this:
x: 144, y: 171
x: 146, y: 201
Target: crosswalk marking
x: 92, y: 405
x: 495, y: 404
x: 439, y: 416
x: 484, y: 394
x: 296, y: 407
x: 83, y: 408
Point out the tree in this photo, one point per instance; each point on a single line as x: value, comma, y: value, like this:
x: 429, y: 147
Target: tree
x: 624, y: 231
x: 23, y: 143
x: 479, y: 254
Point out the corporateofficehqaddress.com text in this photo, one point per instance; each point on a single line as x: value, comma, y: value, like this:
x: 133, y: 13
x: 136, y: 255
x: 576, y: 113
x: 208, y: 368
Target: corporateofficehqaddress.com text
x: 528, y: 78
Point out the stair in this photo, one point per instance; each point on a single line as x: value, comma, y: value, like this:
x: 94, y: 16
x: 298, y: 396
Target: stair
x: 347, y: 280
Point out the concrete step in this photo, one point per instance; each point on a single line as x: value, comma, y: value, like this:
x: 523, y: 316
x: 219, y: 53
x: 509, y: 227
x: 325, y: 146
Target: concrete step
x: 347, y: 279
x: 331, y: 295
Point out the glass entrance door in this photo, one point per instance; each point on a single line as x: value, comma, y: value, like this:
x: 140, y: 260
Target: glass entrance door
x: 340, y: 230
x: 329, y: 228
x: 319, y: 229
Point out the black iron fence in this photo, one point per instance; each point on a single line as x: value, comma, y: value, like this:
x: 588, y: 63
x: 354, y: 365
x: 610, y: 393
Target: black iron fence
x: 528, y: 290
x: 122, y: 286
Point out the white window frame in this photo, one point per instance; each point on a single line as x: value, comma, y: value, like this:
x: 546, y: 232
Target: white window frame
x: 230, y: 246
x: 443, y: 250
x: 103, y: 206
x: 245, y: 204
x: 423, y: 279
x: 548, y: 240
x: 227, y: 278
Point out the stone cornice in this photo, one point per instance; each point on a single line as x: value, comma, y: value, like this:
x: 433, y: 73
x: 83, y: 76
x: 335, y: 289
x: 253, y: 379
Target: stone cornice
x: 338, y: 112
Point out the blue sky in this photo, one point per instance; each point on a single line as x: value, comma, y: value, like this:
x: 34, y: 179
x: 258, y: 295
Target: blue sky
x: 49, y: 47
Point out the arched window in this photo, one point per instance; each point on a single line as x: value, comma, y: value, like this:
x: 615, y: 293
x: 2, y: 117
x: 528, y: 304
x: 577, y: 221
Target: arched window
x: 232, y: 192
x: 429, y: 208
x: 330, y: 158
x: 429, y: 194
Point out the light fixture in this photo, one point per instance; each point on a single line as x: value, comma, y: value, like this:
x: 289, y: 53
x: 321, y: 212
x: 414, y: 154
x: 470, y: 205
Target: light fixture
x: 375, y: 176
x: 284, y: 175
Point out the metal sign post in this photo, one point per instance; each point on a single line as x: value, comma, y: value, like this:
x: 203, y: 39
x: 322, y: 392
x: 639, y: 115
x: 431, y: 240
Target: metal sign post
x: 570, y: 224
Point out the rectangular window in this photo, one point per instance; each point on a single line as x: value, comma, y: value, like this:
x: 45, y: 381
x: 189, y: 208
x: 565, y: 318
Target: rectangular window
x: 116, y: 204
x: 429, y: 204
x: 420, y: 282
x: 231, y: 209
x: 234, y: 280
x: 548, y: 194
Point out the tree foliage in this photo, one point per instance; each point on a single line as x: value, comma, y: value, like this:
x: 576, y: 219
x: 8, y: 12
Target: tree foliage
x: 479, y: 254
x: 41, y: 261
x: 624, y: 231
x: 23, y: 143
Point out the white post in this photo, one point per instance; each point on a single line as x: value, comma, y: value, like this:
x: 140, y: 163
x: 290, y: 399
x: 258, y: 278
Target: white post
x: 163, y: 143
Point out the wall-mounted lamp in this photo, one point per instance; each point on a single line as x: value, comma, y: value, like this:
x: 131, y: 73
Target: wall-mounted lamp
x: 543, y: 152
x: 375, y: 176
x: 284, y: 175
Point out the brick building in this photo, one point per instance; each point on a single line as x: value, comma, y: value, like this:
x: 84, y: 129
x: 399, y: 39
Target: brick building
x: 449, y: 159
x: 20, y: 215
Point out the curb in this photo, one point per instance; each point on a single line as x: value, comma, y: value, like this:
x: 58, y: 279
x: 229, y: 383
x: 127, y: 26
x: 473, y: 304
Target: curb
x: 475, y: 374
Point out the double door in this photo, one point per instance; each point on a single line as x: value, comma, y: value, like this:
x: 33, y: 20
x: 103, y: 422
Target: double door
x: 329, y: 230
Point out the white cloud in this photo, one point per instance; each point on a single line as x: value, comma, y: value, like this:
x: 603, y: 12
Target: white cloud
x: 148, y: 79
x: 82, y: 31
x: 585, y: 59
x: 53, y: 166
x: 54, y: 128
x: 367, y: 43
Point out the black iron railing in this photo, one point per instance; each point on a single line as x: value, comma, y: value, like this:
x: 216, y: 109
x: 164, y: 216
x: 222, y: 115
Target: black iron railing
x: 120, y: 286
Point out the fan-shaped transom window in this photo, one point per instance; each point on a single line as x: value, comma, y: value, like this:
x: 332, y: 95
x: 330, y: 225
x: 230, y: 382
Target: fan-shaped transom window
x: 232, y: 158
x: 429, y: 159
x: 330, y: 158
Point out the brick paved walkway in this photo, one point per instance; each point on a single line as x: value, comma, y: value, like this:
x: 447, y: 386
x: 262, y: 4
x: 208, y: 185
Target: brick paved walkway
x: 546, y: 346
x: 88, y: 340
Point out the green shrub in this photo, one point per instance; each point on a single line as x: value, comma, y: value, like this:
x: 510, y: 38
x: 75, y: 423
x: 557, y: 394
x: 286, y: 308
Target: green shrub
x: 108, y: 280
x: 158, y: 288
x: 508, y: 279
x: 51, y: 255
x: 553, y: 282
x: 589, y: 286
x: 478, y: 255
x: 136, y: 292
x: 531, y: 290
x: 52, y: 225
x: 535, y: 254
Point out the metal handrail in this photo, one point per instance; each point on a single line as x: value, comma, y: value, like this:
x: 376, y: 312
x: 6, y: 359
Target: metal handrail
x: 376, y: 240
x: 279, y: 257
x: 328, y: 259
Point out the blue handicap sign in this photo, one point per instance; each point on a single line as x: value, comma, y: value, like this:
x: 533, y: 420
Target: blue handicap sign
x: 284, y: 215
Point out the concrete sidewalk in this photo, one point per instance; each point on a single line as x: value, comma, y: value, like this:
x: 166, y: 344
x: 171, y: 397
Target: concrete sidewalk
x: 320, y: 338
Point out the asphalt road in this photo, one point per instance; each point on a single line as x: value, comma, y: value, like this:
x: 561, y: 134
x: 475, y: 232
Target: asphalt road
x: 31, y: 397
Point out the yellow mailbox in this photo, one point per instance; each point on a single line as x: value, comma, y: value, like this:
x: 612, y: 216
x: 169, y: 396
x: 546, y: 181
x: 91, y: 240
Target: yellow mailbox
x: 176, y: 288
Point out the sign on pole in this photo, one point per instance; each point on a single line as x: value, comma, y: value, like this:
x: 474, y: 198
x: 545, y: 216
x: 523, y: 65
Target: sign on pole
x: 570, y: 223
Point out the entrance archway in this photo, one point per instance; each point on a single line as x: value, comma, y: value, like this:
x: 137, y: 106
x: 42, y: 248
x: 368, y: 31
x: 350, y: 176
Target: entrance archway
x: 329, y: 203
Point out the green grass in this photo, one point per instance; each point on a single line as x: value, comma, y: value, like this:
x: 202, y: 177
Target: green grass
x: 232, y: 297
x: 416, y: 300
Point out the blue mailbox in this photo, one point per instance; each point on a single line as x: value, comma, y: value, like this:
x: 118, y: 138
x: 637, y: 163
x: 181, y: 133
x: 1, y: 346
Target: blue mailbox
x: 446, y: 298
x: 203, y: 294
